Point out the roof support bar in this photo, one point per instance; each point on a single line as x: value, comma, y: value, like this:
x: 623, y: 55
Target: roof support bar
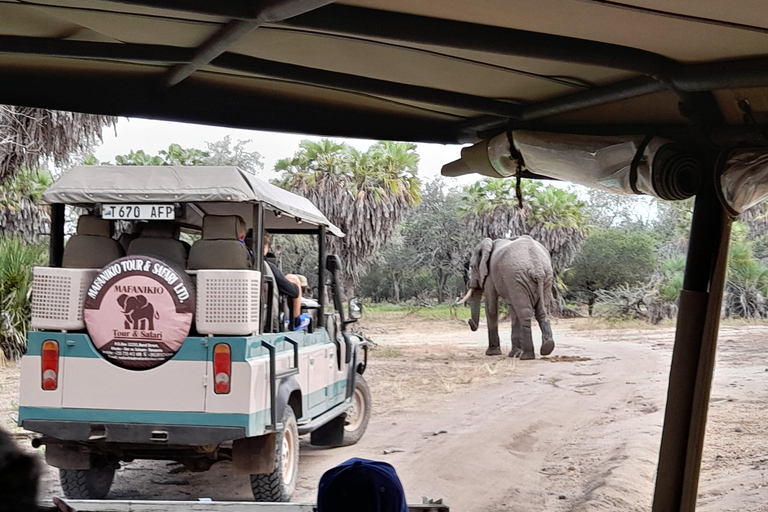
x: 693, y: 358
x: 209, y: 50
x: 144, y: 53
x: 246, y: 10
x: 360, y: 84
x: 483, y: 38
x: 269, y: 11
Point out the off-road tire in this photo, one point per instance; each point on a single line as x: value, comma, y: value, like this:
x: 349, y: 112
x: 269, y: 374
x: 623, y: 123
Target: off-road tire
x: 280, y: 484
x: 360, y: 413
x: 88, y: 484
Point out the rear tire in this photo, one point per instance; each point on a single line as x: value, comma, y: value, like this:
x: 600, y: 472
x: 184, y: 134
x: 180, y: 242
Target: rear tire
x: 280, y: 484
x: 359, y: 414
x: 88, y: 484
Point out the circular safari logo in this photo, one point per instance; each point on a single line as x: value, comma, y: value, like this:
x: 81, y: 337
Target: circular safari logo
x: 138, y: 311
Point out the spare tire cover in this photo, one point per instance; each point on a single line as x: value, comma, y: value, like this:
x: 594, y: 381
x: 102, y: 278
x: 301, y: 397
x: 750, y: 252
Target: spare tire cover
x: 138, y: 311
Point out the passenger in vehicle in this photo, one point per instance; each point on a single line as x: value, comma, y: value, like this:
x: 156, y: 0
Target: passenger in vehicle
x: 361, y: 485
x: 290, y: 286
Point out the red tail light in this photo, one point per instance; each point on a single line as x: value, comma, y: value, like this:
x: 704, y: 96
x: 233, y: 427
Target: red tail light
x: 222, y: 368
x: 50, y: 365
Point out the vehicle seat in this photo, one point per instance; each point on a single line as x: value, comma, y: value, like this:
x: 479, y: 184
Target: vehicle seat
x: 160, y: 239
x: 219, y: 248
x: 275, y: 301
x: 93, y: 245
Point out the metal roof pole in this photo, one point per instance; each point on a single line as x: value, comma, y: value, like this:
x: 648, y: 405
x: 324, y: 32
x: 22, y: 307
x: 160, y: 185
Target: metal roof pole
x: 693, y: 358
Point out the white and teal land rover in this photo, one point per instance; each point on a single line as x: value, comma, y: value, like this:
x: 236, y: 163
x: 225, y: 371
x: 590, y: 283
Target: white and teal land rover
x: 145, y: 346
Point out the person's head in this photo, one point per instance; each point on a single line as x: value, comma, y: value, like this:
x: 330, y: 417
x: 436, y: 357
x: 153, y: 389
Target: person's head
x: 361, y: 485
x: 267, y: 240
x: 241, y: 230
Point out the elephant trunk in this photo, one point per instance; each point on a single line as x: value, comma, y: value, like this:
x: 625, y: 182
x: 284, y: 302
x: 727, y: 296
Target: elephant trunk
x: 474, y: 305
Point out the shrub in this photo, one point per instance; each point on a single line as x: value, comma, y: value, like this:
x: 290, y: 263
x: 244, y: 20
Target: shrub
x: 17, y: 258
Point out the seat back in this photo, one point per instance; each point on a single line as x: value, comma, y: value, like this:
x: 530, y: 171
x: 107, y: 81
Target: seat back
x: 161, y: 240
x: 93, y: 245
x: 220, y: 248
x: 266, y: 299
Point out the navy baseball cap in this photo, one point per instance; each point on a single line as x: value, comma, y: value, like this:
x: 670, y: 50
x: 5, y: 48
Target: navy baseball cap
x: 361, y: 485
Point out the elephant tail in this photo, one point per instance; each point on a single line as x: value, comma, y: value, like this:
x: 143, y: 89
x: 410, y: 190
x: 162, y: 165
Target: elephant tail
x: 546, y: 297
x: 157, y: 315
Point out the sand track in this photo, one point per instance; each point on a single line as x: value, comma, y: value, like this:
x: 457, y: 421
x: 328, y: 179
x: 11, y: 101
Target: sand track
x: 578, y: 431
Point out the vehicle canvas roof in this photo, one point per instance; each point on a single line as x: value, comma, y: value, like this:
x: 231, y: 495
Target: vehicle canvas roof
x: 215, y: 190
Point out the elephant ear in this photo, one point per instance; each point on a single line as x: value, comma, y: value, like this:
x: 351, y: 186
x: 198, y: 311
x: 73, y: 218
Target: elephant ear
x: 121, y: 300
x: 485, y: 248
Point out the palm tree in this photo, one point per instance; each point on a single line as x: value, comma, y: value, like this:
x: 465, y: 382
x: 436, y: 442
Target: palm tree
x: 366, y: 194
x: 552, y: 216
x: 30, y: 137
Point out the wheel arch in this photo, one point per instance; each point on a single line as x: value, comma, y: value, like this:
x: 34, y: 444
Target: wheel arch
x: 289, y: 393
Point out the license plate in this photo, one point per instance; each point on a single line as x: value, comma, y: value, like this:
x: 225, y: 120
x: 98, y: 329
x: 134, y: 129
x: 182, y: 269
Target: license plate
x: 138, y: 211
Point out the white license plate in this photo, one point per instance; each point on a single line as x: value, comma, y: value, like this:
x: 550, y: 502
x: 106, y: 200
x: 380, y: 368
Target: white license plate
x: 138, y: 211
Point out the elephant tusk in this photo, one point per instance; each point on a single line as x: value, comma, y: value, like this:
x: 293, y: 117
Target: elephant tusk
x: 462, y: 301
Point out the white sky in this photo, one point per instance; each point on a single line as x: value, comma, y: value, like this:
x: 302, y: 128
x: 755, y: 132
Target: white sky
x: 152, y: 136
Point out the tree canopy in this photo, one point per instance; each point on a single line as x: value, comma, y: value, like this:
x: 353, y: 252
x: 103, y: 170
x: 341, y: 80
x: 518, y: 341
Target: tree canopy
x: 366, y: 194
x: 610, y: 258
x: 220, y: 153
x: 553, y: 216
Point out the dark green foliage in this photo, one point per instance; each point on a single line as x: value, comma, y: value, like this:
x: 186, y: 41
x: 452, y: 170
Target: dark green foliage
x: 608, y: 259
x: 21, y: 214
x: 17, y: 258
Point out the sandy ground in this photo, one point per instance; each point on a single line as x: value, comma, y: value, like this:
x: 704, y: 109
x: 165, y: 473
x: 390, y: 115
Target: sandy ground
x: 577, y: 431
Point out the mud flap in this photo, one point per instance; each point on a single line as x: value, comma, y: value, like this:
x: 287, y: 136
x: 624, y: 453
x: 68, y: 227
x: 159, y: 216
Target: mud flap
x: 67, y: 457
x: 330, y: 434
x: 254, y: 455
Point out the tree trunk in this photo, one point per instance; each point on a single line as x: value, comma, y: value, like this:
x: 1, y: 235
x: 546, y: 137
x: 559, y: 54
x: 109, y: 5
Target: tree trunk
x: 591, y: 303
x: 396, y: 286
x: 440, y: 286
x: 349, y: 290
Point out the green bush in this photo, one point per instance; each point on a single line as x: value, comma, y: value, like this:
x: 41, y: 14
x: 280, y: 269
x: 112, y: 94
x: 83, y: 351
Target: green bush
x: 17, y: 258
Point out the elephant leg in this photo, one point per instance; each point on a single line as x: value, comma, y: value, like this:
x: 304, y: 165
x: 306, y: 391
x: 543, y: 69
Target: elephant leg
x: 526, y: 339
x: 517, y: 338
x: 547, y: 339
x: 492, y: 317
x: 151, y: 322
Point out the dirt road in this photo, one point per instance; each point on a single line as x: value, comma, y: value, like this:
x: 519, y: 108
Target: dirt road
x: 578, y: 431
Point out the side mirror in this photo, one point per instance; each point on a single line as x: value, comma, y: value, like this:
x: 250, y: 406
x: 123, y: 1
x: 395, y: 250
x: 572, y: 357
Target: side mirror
x: 332, y: 263
x: 355, y: 308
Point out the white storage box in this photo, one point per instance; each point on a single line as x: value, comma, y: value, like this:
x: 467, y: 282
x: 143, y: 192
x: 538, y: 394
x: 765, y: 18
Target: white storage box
x: 57, y: 297
x: 228, y: 302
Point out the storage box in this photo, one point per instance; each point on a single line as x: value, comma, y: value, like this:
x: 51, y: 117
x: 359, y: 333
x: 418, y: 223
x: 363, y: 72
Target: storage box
x: 228, y: 302
x: 57, y: 297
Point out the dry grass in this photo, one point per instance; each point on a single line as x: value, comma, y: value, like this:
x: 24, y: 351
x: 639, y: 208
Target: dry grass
x: 601, y: 324
x: 386, y: 352
x: 401, y: 382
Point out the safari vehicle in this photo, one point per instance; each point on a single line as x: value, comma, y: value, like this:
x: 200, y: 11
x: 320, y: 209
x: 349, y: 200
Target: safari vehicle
x: 146, y: 348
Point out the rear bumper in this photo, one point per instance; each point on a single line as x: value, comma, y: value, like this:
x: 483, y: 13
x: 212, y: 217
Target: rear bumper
x: 127, y: 433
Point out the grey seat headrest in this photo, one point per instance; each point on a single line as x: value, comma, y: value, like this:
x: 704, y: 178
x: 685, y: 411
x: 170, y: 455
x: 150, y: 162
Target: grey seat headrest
x: 222, y: 227
x: 161, y: 229
x: 93, y: 226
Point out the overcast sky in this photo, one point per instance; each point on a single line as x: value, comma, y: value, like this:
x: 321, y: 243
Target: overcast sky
x: 152, y: 136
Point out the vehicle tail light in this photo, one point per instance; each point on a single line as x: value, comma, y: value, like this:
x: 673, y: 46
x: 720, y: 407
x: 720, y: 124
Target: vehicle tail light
x: 222, y: 368
x: 50, y: 365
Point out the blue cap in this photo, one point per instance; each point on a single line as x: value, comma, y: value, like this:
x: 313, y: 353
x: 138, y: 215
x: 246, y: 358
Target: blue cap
x: 361, y: 485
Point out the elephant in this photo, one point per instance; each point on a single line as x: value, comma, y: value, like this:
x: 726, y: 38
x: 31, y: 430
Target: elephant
x: 139, y: 313
x: 519, y: 270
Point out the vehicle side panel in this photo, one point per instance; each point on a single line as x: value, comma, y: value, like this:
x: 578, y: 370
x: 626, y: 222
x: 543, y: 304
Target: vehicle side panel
x: 181, y: 391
